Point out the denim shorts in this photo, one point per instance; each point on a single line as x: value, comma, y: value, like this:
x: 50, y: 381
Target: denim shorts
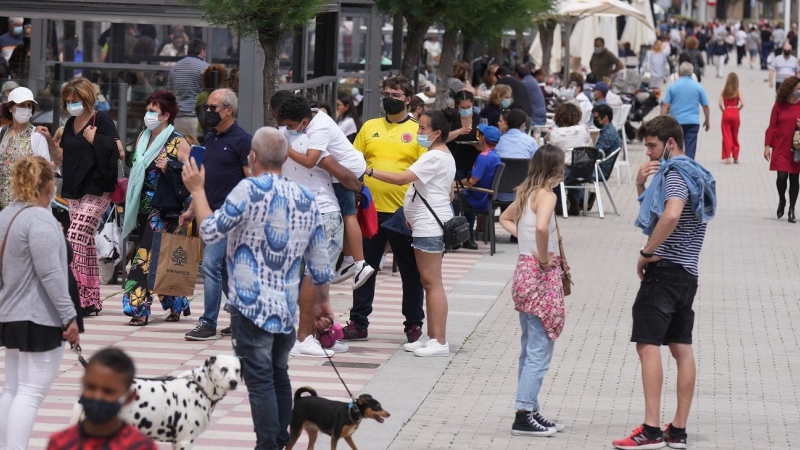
x: 346, y: 198
x: 432, y: 244
x: 662, y: 311
x: 334, y: 234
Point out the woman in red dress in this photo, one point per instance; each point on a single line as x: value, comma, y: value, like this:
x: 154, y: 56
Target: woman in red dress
x: 784, y: 120
x: 730, y: 102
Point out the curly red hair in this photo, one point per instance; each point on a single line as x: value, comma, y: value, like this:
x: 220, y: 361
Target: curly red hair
x: 166, y: 102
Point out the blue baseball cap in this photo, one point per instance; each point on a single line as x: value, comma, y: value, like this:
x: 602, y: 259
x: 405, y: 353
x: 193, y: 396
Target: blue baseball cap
x: 490, y: 133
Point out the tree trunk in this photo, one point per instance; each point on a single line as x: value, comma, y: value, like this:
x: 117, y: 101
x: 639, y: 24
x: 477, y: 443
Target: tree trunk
x: 271, y: 45
x: 521, y: 50
x: 547, y: 32
x: 496, y: 50
x: 469, y: 49
x: 416, y: 34
x: 449, y: 48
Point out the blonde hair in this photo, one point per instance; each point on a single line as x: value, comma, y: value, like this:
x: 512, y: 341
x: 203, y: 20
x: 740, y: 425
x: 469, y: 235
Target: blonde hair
x: 81, y: 88
x: 57, y: 136
x: 657, y: 46
x: 29, y: 176
x: 498, y: 91
x: 731, y: 89
x: 545, y: 171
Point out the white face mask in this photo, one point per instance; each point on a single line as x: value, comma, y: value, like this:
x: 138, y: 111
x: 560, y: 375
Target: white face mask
x: 23, y: 115
x: 75, y: 109
x: 151, y: 120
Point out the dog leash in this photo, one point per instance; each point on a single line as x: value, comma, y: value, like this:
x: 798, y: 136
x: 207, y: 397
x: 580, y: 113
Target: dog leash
x: 353, y: 407
x: 81, y: 359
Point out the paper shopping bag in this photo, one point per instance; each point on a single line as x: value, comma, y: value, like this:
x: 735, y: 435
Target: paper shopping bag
x: 174, y: 264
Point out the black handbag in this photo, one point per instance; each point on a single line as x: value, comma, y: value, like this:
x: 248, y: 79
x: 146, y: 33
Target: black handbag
x: 170, y: 192
x: 456, y: 230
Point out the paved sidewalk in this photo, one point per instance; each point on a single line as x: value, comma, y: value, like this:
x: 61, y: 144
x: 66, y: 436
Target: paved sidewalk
x: 746, y: 337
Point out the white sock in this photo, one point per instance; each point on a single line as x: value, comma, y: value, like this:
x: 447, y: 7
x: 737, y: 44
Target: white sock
x: 347, y: 260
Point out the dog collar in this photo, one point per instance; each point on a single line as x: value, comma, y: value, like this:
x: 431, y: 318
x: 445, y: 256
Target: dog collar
x: 352, y: 408
x: 203, y: 391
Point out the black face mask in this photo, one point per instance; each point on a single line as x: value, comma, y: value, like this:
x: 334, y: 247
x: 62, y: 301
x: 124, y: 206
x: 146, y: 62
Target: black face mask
x: 787, y: 52
x: 597, y: 124
x: 26, y: 40
x: 393, y: 106
x: 99, y: 411
x: 212, y: 119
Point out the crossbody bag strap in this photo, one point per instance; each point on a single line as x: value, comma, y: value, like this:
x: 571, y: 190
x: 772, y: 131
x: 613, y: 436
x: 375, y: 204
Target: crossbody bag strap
x: 5, y: 238
x: 560, y: 245
x: 417, y: 194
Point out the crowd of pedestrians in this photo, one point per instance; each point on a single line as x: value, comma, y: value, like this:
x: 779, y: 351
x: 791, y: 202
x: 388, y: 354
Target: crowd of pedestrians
x: 277, y: 211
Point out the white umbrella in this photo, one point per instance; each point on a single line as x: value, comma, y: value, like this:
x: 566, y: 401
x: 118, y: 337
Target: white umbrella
x: 636, y: 33
x: 537, y: 55
x: 571, y: 12
x: 585, y: 32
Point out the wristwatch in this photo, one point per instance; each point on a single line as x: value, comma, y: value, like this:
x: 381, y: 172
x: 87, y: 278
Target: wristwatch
x: 646, y: 255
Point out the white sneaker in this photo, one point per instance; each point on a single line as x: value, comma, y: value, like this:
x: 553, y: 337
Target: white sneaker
x: 383, y: 262
x: 340, y: 347
x: 411, y: 346
x: 311, y: 348
x: 433, y: 348
x: 345, y: 271
x: 362, y: 274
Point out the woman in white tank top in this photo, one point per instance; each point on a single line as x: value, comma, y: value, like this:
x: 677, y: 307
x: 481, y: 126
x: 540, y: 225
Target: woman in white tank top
x: 536, y: 289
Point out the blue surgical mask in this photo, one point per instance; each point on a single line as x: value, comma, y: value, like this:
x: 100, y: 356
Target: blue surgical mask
x: 423, y: 141
x: 294, y: 132
x: 465, y: 112
x: 75, y: 109
x: 597, y: 50
x: 664, y: 158
x: 505, y: 103
x: 17, y: 30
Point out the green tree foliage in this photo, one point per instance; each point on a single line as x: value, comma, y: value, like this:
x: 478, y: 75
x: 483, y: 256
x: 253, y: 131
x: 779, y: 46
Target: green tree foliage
x: 269, y: 21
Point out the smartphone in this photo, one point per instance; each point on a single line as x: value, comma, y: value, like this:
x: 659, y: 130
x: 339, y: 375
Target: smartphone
x: 197, y: 152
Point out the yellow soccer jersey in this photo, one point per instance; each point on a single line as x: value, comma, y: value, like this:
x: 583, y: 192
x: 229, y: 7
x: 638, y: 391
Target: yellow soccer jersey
x: 391, y: 147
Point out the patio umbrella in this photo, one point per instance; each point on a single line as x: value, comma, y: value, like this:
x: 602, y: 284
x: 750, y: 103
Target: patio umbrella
x: 537, y: 55
x: 571, y: 12
x: 584, y: 33
x: 635, y: 32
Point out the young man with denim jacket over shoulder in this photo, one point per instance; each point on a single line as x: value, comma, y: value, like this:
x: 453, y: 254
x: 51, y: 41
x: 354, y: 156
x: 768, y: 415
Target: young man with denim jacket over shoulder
x: 675, y: 210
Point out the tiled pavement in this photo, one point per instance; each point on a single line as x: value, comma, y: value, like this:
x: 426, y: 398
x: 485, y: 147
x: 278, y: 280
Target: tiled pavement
x: 160, y: 349
x: 745, y: 334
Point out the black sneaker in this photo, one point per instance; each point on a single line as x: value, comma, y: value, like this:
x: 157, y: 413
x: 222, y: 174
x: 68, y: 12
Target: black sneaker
x: 537, y: 415
x: 674, y: 438
x: 201, y: 332
x: 526, y: 425
x: 225, y: 331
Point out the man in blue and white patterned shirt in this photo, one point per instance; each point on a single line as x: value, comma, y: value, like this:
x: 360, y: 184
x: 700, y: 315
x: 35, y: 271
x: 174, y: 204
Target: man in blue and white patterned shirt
x: 272, y: 226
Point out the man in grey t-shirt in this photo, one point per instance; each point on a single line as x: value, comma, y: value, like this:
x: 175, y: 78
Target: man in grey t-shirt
x: 782, y: 67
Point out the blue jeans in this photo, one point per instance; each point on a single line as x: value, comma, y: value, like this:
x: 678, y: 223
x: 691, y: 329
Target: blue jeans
x: 265, y: 367
x: 534, y: 361
x: 215, y: 281
x: 690, y: 139
x: 334, y: 233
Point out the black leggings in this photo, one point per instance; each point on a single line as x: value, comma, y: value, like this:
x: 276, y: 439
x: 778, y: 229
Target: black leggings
x: 794, y: 186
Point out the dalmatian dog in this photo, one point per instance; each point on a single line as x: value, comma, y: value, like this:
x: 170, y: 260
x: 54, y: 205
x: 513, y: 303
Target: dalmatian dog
x: 178, y: 409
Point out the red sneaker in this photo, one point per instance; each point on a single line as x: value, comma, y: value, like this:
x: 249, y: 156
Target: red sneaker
x: 351, y: 333
x: 638, y: 439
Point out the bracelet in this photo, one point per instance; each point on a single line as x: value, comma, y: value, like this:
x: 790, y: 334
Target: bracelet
x: 371, y: 171
x: 646, y: 255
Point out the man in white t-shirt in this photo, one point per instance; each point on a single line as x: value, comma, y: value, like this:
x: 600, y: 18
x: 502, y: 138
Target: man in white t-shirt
x: 782, y: 67
x: 741, y: 42
x: 326, y: 136
x: 434, y: 49
x: 319, y: 182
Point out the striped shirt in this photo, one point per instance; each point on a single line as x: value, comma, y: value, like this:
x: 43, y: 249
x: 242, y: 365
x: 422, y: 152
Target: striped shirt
x: 186, y: 82
x: 784, y: 67
x: 684, y: 244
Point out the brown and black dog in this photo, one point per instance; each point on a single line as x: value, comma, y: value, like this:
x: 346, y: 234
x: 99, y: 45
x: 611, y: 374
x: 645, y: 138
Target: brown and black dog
x: 336, y: 419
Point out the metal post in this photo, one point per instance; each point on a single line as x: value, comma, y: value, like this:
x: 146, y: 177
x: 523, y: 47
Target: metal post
x: 122, y: 115
x: 59, y: 78
x: 251, y: 62
x: 787, y: 16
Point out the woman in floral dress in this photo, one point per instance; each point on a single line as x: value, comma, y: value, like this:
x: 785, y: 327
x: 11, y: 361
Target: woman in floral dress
x: 154, y: 203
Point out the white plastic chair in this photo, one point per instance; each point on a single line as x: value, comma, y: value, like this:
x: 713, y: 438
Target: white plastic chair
x: 620, y: 117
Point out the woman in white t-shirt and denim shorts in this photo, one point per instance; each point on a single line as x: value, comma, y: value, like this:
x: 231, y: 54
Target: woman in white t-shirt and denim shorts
x: 431, y: 178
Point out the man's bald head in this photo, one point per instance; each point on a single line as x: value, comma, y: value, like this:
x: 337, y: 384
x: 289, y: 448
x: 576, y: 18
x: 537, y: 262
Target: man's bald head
x: 270, y: 148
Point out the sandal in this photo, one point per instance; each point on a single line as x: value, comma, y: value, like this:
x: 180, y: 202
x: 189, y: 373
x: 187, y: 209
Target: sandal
x: 138, y: 322
x: 187, y: 312
x: 172, y: 318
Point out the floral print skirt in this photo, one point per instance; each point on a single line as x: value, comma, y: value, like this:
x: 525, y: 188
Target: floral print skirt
x: 538, y: 291
x: 137, y: 298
